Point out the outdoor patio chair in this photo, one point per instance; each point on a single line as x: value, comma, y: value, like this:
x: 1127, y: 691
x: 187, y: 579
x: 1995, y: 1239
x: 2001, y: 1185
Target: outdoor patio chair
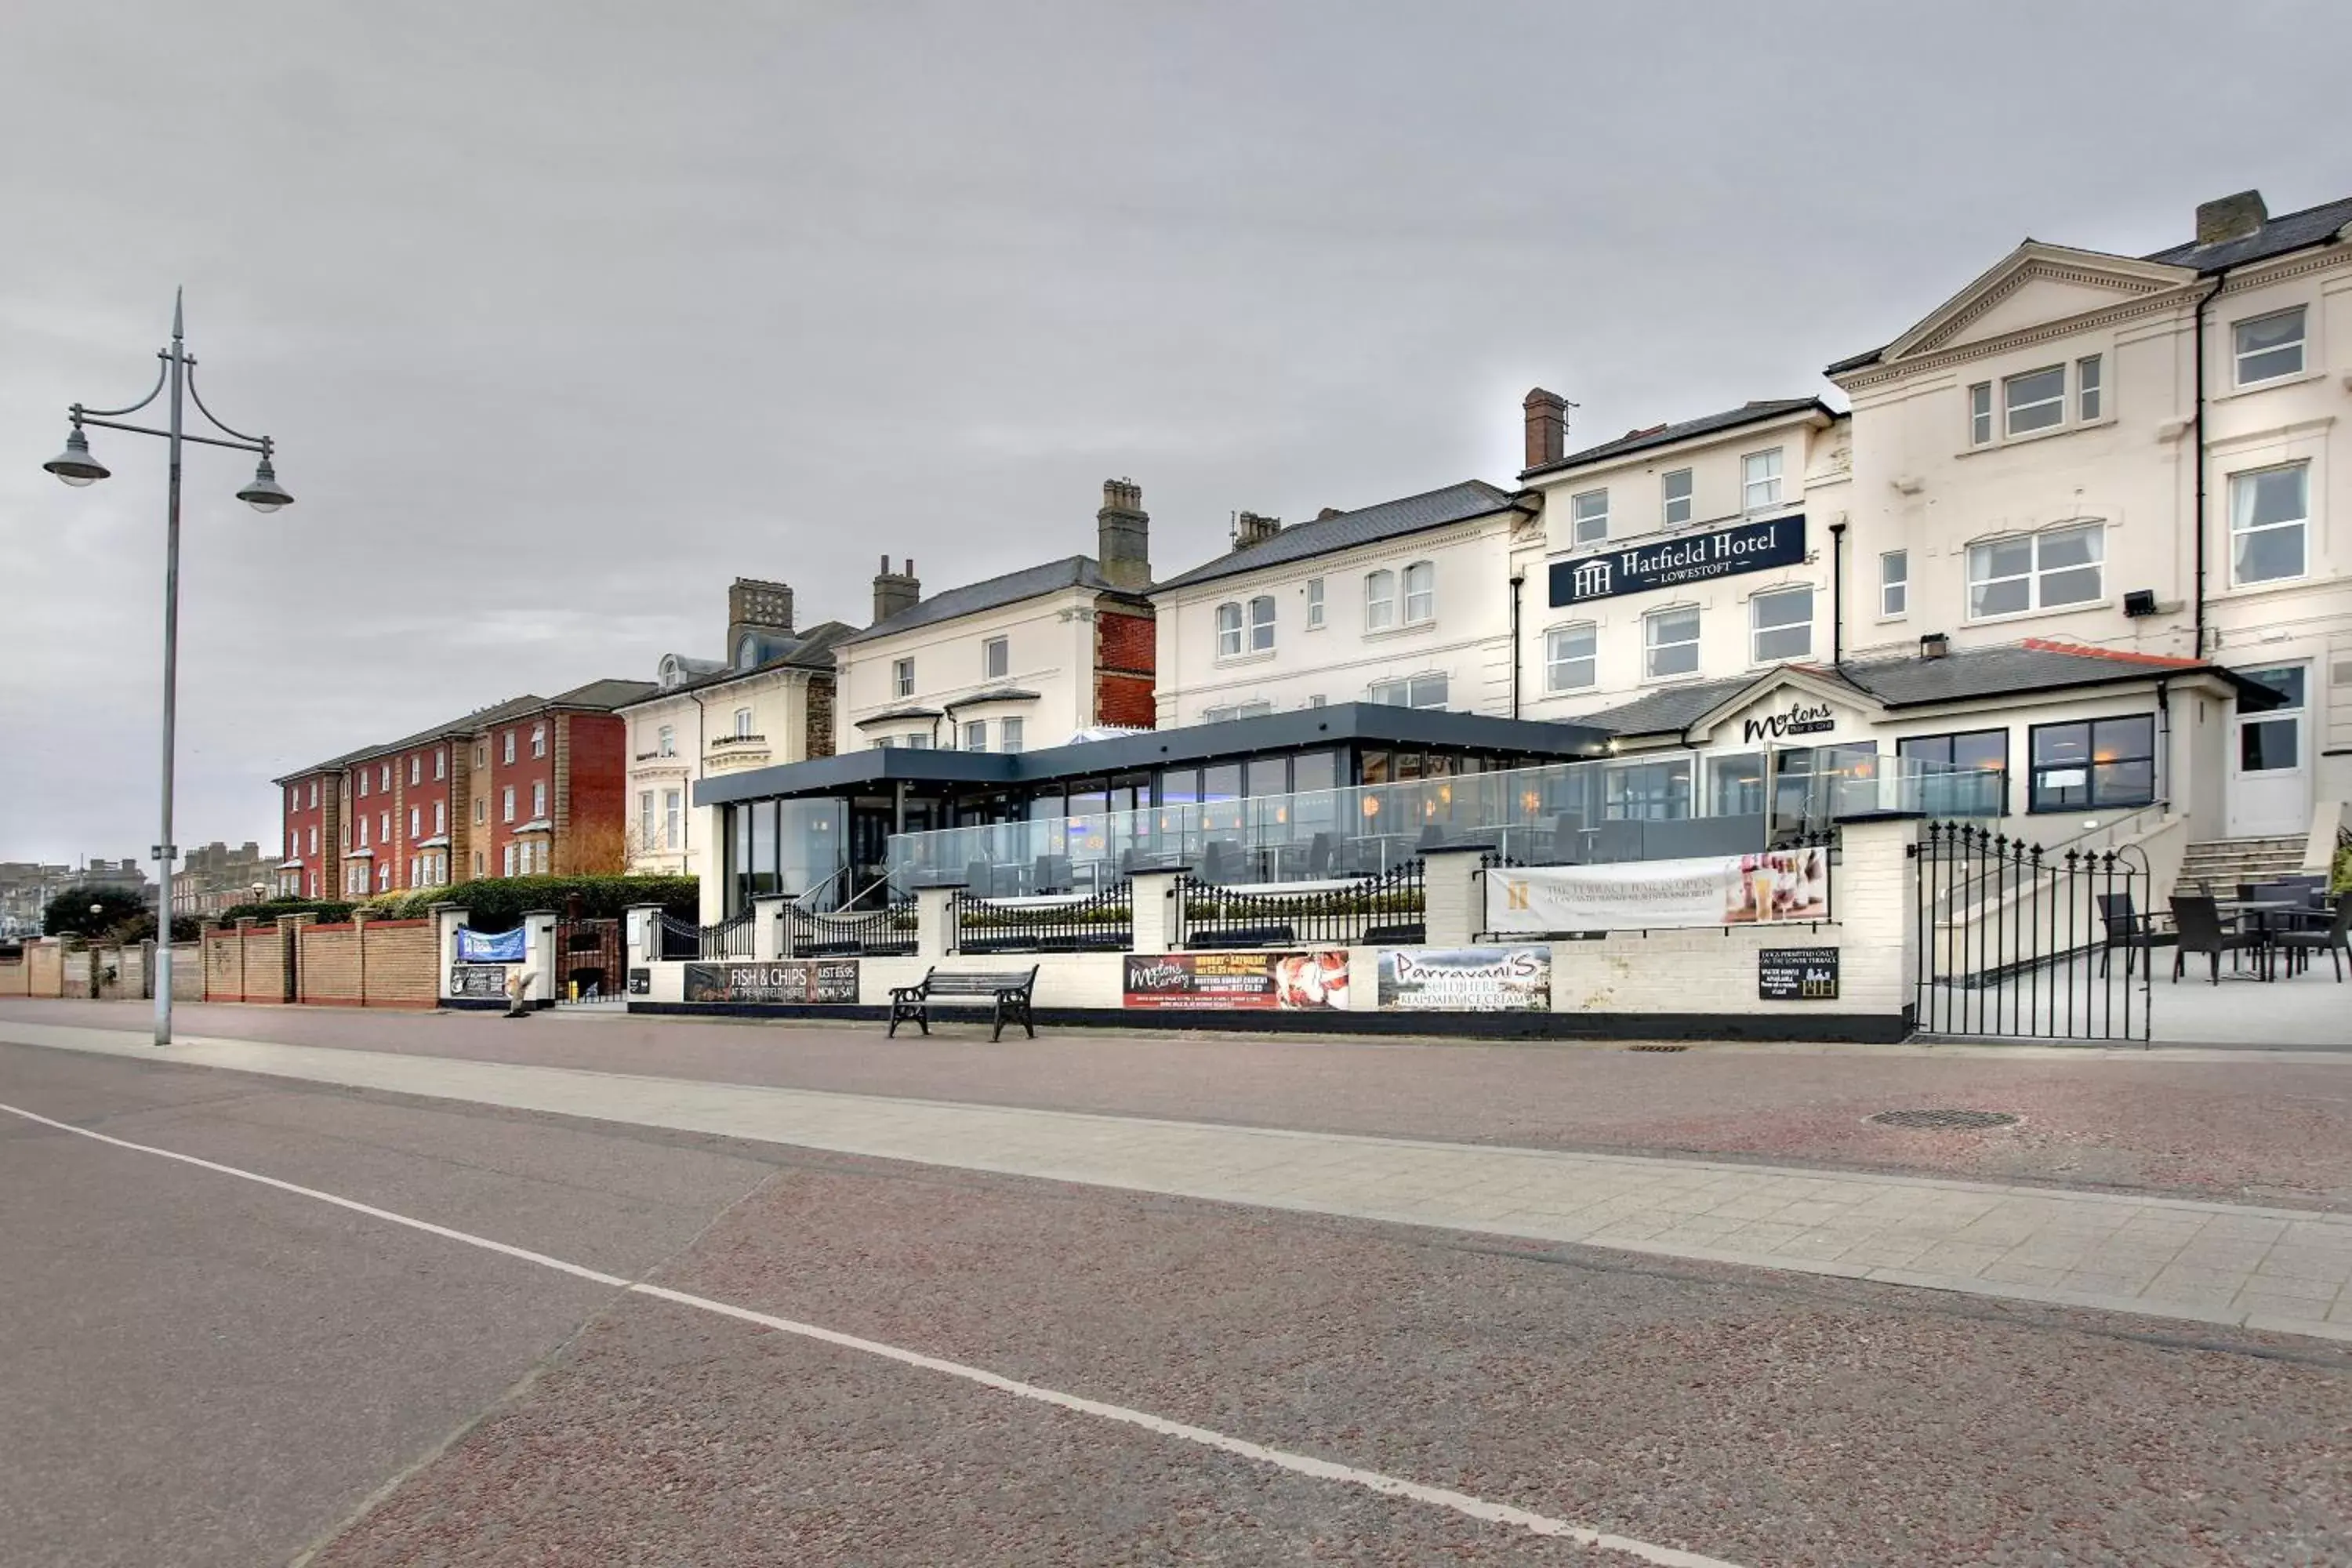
x: 2136, y: 933
x: 2198, y: 929
x: 1319, y: 857
x: 978, y: 879
x: 1618, y: 840
x: 1221, y: 860
x: 1052, y: 874
x: 2335, y: 939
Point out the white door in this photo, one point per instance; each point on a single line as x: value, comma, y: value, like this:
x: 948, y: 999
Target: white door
x: 2269, y: 769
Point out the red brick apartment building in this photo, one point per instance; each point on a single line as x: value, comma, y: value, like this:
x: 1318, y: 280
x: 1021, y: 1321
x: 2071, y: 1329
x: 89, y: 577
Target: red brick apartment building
x: 527, y: 787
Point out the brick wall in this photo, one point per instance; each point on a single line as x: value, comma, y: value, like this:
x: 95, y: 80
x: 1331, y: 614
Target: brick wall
x: 79, y: 973
x: 592, y: 793
x: 818, y: 741
x: 16, y: 977
x: 403, y: 964
x: 1126, y: 650
x: 246, y: 964
x: 328, y: 966
x: 45, y: 965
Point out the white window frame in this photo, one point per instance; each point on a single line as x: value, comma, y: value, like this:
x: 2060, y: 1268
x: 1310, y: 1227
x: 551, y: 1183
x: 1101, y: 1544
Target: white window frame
x: 666, y: 740
x: 646, y: 840
x: 416, y: 822
x: 539, y: 740
x: 975, y: 735
x: 507, y: 804
x: 1427, y: 591
x: 1652, y: 644
x: 2245, y: 481
x: 1753, y: 479
x: 1315, y: 604
x: 537, y: 800
x: 743, y: 723
x: 1560, y: 665
x: 1588, y: 516
x: 383, y: 780
x: 2090, y: 389
x: 314, y: 793
x: 1010, y: 736
x: 1380, y: 600
x: 2011, y: 407
x: 416, y: 770
x: 313, y: 837
x: 506, y: 752
x: 902, y: 677
x: 1229, y: 634
x: 383, y: 827
x: 1981, y: 413
x: 481, y: 809
x: 1261, y: 624
x: 1410, y: 690
x: 673, y: 822
x: 1894, y: 588
x: 1758, y: 631
x: 440, y: 817
x: 509, y: 859
x: 2240, y: 354
x: 995, y: 658
x: 2037, y: 571
x: 1668, y: 499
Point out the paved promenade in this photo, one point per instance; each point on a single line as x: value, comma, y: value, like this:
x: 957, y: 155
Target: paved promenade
x: 2275, y: 1270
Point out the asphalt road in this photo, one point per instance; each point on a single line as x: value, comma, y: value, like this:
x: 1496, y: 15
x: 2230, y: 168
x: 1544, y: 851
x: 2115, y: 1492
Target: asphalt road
x: 200, y: 1370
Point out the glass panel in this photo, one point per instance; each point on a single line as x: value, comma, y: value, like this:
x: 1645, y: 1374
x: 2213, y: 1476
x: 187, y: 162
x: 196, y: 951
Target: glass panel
x: 1375, y: 767
x: 2268, y: 743
x: 2124, y: 784
x: 1222, y: 781
x: 2061, y: 744
x: 1179, y: 787
x: 2271, y: 346
x: 1676, y: 486
x: 1980, y: 748
x: 1267, y: 775
x: 2036, y: 401
x: 1980, y: 413
x: 762, y: 865
x: 2287, y: 680
x: 2069, y: 547
x: 2267, y: 555
x: 1590, y: 514
x: 1315, y: 770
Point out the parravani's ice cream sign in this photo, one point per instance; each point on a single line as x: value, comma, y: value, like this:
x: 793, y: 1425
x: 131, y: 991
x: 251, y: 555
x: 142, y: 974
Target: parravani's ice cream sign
x: 1691, y: 558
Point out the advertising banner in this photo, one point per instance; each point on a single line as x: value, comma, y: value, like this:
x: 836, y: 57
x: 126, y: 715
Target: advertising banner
x: 477, y: 980
x: 1465, y: 980
x: 1314, y: 982
x: 829, y: 980
x: 474, y: 947
x: 1654, y: 895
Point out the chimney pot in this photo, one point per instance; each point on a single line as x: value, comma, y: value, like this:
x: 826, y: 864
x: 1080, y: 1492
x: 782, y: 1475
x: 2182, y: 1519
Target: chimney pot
x: 896, y: 592
x: 1123, y: 536
x: 2231, y: 217
x: 1250, y: 529
x: 1547, y: 427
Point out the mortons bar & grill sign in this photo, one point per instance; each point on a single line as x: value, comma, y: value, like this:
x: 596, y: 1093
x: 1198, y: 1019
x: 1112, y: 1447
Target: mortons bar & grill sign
x: 1691, y: 558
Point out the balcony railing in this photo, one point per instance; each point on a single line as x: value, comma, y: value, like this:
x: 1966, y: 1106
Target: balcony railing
x: 1390, y: 908
x: 1045, y: 922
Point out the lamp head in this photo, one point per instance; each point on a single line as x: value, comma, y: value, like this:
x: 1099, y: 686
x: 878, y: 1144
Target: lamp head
x: 265, y: 494
x: 75, y: 466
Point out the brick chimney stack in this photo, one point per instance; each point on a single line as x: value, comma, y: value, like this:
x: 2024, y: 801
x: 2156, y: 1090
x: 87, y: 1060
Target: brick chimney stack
x: 895, y: 591
x: 1250, y: 529
x: 1547, y: 427
x: 1123, y: 536
x: 2231, y: 217
x: 756, y: 605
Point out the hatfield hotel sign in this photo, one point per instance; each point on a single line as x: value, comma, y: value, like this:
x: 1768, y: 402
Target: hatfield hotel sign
x: 1691, y: 558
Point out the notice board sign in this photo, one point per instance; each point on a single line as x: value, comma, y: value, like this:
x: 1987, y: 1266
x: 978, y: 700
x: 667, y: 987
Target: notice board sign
x: 641, y: 982
x: 795, y: 980
x: 477, y: 980
x: 1313, y: 981
x: 1797, y: 974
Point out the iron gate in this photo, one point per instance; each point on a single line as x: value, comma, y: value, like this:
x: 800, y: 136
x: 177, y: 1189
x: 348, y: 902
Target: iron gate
x: 2018, y: 942
x: 588, y: 961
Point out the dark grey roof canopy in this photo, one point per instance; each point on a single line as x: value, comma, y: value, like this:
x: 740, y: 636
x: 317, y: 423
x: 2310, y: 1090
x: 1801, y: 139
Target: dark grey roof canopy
x: 1755, y: 412
x: 1366, y: 525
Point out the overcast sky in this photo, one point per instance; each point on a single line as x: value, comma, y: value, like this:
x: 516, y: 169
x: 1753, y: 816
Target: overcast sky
x: 564, y: 314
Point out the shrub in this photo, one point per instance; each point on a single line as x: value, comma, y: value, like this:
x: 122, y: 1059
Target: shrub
x: 2341, y: 882
x: 330, y: 911
x: 497, y: 904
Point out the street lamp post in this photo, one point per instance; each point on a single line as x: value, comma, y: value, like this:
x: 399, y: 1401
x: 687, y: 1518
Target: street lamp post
x: 76, y: 467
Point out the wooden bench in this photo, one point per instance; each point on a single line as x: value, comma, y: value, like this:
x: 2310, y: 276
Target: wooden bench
x: 1006, y: 992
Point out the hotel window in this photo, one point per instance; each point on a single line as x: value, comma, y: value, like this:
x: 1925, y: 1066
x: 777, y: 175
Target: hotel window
x: 1261, y: 624
x: 2269, y: 347
x: 1760, y: 479
x: 539, y: 800
x: 313, y: 838
x: 1008, y: 734
x: 2034, y: 401
x: 1413, y: 691
x: 996, y: 657
x: 440, y: 764
x: 2043, y: 570
x: 1588, y: 516
x: 1380, y: 600
x: 743, y: 723
x: 2088, y: 389
x: 1981, y: 413
x: 1571, y: 656
x: 416, y: 770
x: 2269, y: 512
x: 1781, y: 625
x: 539, y: 740
x: 2101, y: 762
x: 478, y: 862
x: 508, y: 860
x: 440, y: 817
x: 1419, y: 593
x: 1967, y: 773
x: 506, y: 751
x: 481, y: 812
x: 1669, y: 642
x: 1676, y: 488
x: 416, y: 822
x: 665, y: 742
x: 975, y: 735
x: 384, y: 877
x: 481, y: 760
x: 363, y: 832
x: 1229, y: 629
x: 902, y: 677
x: 314, y: 792
x: 384, y: 781
x: 293, y: 798
x: 1893, y: 584
x: 364, y: 783
x: 506, y: 804
x: 1314, y: 603
x: 384, y: 826
x: 645, y: 819
x: 672, y: 838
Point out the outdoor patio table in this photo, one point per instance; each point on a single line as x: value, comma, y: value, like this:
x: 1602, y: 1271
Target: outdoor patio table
x: 2261, y: 914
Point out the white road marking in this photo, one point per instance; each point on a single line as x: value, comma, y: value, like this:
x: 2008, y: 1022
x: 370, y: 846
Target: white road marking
x: 1298, y: 1464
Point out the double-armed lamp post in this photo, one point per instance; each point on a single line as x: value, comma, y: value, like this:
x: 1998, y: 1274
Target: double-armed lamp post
x: 76, y: 467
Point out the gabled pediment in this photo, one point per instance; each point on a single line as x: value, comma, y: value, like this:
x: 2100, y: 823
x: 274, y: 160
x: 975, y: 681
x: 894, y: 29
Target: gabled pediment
x: 2034, y: 285
x: 1793, y: 705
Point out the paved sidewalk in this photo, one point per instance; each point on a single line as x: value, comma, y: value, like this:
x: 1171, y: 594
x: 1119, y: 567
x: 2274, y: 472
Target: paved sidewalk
x: 2278, y: 1269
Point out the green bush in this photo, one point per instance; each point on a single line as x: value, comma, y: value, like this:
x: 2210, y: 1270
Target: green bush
x: 497, y: 904
x: 2341, y: 882
x: 329, y: 911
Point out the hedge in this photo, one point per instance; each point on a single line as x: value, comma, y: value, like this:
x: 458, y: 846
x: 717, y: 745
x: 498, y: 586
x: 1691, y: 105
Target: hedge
x: 499, y: 903
x: 329, y: 911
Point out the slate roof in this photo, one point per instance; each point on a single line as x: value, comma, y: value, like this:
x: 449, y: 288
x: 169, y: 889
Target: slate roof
x: 1365, y: 525
x: 598, y: 696
x: 2036, y: 664
x: 810, y: 649
x: 1752, y: 413
x: 1029, y: 583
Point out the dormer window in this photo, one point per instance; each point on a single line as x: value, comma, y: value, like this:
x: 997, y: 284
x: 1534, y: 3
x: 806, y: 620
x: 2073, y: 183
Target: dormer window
x: 747, y: 652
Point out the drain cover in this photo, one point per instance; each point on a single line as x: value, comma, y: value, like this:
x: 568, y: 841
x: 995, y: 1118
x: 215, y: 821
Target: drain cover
x: 1657, y: 1048
x: 1943, y: 1121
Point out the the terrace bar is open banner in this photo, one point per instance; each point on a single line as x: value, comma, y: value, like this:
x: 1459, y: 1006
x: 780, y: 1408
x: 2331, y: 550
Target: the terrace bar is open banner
x: 1652, y: 895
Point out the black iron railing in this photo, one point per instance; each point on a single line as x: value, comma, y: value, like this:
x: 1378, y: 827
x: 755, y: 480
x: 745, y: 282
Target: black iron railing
x: 1094, y: 923
x: 885, y: 932
x: 1389, y: 908
x: 685, y: 940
